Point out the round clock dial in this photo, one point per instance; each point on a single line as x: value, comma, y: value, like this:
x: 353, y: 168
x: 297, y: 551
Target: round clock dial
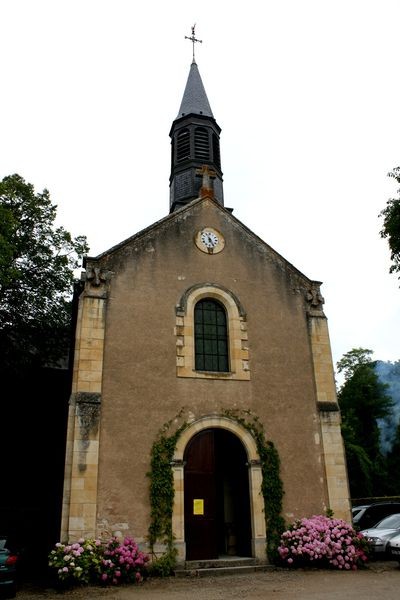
x: 209, y: 240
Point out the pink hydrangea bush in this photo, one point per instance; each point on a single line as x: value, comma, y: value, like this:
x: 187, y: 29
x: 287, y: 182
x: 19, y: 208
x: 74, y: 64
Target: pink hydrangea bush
x: 123, y: 562
x: 91, y: 561
x: 322, y: 541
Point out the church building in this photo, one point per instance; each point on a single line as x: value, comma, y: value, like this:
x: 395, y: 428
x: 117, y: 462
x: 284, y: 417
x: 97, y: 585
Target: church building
x: 198, y: 329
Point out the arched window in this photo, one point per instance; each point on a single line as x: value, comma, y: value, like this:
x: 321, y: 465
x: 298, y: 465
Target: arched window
x: 211, y: 336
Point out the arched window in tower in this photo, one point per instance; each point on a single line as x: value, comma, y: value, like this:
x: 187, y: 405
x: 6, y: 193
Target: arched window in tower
x: 183, y: 145
x: 211, y: 336
x: 216, y: 154
x: 201, y: 144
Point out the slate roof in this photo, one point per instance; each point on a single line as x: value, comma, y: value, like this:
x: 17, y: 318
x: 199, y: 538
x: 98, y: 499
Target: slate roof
x: 195, y: 99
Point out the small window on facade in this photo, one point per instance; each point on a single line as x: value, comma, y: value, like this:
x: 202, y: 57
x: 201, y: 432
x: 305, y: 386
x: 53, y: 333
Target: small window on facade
x: 211, y: 337
x: 183, y: 145
x: 201, y: 145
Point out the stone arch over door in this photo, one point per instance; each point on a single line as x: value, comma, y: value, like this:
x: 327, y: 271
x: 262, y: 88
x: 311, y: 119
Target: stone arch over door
x: 258, y: 531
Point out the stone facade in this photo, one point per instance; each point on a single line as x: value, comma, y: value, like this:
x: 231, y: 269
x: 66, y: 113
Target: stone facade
x: 134, y: 372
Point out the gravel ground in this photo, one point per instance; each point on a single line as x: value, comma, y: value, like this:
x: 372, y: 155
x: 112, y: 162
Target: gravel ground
x: 380, y: 580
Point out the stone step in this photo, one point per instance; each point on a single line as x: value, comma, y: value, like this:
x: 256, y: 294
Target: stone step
x: 216, y: 567
x: 224, y: 561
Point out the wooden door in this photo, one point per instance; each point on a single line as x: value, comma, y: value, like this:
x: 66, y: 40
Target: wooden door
x: 201, y: 527
x: 216, y: 490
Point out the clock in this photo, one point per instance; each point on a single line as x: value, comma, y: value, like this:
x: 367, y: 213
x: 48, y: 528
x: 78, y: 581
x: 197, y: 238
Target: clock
x: 209, y: 240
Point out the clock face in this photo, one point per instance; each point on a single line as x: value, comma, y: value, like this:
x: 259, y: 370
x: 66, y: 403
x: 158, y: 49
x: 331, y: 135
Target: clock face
x: 209, y: 240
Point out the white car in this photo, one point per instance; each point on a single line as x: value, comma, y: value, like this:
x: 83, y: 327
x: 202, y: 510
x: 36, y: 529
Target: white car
x: 393, y: 547
x: 383, y: 531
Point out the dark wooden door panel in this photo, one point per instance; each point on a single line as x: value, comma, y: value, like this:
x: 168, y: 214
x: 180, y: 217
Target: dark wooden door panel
x: 200, y: 529
x: 199, y: 454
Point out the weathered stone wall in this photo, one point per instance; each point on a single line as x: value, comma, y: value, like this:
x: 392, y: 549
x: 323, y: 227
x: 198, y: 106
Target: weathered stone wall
x: 278, y: 371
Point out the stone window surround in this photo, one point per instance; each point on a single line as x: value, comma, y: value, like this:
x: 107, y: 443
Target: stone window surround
x: 237, y: 333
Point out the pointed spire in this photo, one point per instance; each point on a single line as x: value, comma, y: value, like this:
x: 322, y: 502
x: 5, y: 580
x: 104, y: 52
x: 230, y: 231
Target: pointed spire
x: 195, y: 99
x: 195, y: 145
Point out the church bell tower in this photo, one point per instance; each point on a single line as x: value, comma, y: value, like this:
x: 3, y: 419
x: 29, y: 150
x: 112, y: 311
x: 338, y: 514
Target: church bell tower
x: 194, y: 144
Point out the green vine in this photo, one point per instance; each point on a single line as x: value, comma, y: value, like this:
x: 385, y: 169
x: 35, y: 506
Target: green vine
x: 162, y: 497
x: 272, y: 487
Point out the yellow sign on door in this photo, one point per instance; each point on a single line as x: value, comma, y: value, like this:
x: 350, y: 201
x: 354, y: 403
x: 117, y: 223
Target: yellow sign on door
x: 198, y: 506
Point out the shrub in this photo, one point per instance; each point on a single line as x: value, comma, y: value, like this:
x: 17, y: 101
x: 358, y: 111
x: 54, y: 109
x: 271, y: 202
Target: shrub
x: 323, y: 542
x: 90, y: 561
x: 123, y: 562
x: 79, y: 562
x: 163, y: 566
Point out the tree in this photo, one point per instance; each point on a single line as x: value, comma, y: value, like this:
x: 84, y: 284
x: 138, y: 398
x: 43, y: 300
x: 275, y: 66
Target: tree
x: 352, y: 360
x: 389, y: 373
x: 37, y: 262
x: 391, y: 225
x: 393, y: 464
x: 363, y: 400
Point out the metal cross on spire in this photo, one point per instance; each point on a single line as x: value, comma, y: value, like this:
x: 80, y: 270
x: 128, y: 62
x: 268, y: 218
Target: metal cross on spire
x: 193, y: 39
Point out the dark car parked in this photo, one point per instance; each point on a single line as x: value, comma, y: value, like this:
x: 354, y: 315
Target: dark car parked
x: 366, y: 516
x: 8, y: 569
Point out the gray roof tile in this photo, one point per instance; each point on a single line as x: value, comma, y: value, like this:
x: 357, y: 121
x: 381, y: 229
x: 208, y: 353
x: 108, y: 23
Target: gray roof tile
x: 194, y: 97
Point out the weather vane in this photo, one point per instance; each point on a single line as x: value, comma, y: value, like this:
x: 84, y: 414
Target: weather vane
x: 193, y: 39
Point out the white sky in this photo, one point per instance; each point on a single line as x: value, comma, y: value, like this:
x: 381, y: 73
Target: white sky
x: 307, y: 93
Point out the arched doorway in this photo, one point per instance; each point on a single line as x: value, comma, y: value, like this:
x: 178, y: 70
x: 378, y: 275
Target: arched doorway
x: 217, y: 500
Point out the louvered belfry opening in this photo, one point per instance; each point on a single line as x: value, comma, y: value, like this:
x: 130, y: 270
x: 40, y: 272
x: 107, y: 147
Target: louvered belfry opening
x: 183, y: 145
x: 201, y: 144
x: 215, y: 148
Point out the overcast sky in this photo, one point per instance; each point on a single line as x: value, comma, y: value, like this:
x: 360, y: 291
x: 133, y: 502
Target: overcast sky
x: 307, y: 94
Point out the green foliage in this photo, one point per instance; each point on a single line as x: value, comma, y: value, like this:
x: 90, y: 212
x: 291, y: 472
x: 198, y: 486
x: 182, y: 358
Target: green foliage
x: 37, y: 260
x: 391, y: 225
x: 272, y: 487
x: 162, y: 498
x: 163, y: 566
x: 352, y: 360
x: 389, y: 373
x: 360, y: 469
x: 393, y: 465
x: 363, y: 400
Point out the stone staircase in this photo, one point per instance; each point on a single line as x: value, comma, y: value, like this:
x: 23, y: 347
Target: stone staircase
x: 225, y: 565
